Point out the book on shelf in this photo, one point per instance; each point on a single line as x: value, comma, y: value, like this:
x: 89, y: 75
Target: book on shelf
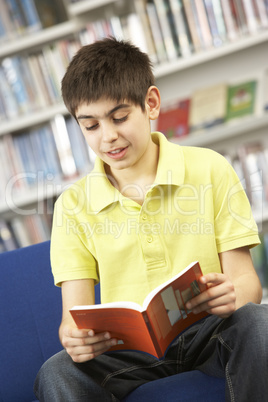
x: 150, y: 328
x: 262, y: 13
x: 12, y: 72
x: 250, y: 15
x: 165, y: 18
x: 230, y: 20
x: 10, y: 105
x: 7, y: 24
x: 173, y: 120
x: 208, y: 107
x: 238, y: 9
x: 156, y: 32
x: 254, y: 161
x: 63, y: 146
x: 241, y: 99
x: 50, y: 12
x: 202, y: 21
x: 7, y: 237
x: 31, y: 17
x: 216, y: 22
x: 265, y: 90
x: 133, y: 31
x: 194, y: 29
x: 80, y: 148
x: 181, y: 28
x: 140, y: 7
x: 16, y: 16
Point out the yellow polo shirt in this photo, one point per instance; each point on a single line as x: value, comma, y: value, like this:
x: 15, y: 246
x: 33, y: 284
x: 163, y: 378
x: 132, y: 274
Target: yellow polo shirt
x: 196, y: 209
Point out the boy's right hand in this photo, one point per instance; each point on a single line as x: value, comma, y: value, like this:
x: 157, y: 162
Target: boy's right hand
x: 83, y: 344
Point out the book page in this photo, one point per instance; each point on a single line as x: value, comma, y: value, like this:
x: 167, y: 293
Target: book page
x: 167, y: 311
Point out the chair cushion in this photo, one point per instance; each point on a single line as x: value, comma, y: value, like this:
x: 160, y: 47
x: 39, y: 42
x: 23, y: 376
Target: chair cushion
x: 185, y: 387
x: 30, y: 315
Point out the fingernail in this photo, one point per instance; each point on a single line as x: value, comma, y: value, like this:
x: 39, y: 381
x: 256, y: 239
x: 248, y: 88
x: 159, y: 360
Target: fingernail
x: 107, y: 336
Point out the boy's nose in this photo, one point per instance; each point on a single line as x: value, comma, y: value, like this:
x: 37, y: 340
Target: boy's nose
x: 109, y: 134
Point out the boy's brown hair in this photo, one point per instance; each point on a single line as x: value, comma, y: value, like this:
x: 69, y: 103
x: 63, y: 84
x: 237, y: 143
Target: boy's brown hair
x: 108, y: 68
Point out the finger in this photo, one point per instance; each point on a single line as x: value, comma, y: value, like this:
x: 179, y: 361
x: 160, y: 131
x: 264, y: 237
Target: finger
x: 213, y: 278
x: 100, y: 347
x: 85, y: 353
x: 221, y: 306
x: 75, y: 332
x: 88, y: 339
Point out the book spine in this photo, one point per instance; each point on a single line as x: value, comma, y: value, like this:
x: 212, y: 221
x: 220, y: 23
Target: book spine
x: 240, y: 14
x: 162, y: 12
x: 192, y: 25
x: 31, y: 15
x: 156, y: 32
x: 262, y: 14
x: 250, y: 16
x: 13, y: 77
x: 7, y: 237
x: 8, y: 98
x: 217, y: 41
x: 8, y: 25
x: 140, y: 8
x: 52, y: 163
x: 2, y: 29
x: 230, y: 22
x: 181, y: 27
x: 219, y: 19
x: 63, y: 146
x: 16, y: 16
x: 203, y: 22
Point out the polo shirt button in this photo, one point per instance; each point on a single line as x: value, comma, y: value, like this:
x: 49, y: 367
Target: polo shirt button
x: 144, y: 217
x: 149, y: 239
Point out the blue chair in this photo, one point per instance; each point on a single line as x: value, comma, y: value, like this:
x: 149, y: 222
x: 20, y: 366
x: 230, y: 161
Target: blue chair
x: 30, y: 315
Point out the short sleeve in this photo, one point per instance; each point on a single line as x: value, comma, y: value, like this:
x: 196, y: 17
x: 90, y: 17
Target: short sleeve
x: 70, y: 257
x: 234, y: 223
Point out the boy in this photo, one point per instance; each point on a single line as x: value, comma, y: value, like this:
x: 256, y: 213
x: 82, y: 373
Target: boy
x: 146, y: 211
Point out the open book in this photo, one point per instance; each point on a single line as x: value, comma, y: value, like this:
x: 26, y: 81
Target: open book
x: 154, y: 326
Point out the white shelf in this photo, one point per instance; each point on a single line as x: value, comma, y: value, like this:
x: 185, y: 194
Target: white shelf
x: 225, y: 131
x: 211, y: 54
x: 42, y: 37
x: 30, y: 120
x: 36, y: 194
x: 87, y: 5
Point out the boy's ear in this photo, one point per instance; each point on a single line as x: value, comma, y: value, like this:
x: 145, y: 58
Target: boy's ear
x: 152, y: 102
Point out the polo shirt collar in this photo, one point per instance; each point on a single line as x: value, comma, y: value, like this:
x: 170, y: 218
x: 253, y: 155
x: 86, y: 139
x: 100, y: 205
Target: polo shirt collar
x: 102, y: 192
x: 170, y: 171
x: 171, y: 166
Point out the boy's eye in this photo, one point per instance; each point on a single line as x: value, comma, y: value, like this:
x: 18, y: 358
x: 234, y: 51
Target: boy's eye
x: 91, y: 128
x: 121, y: 120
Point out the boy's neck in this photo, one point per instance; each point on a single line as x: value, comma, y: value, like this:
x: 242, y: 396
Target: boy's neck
x: 134, y: 182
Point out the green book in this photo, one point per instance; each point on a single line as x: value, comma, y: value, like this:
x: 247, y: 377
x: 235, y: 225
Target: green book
x: 241, y: 99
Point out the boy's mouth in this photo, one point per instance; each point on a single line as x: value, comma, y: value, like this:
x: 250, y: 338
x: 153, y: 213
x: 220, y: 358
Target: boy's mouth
x: 117, y: 153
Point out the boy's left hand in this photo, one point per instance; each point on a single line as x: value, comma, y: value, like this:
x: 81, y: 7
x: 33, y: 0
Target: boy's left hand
x: 219, y: 298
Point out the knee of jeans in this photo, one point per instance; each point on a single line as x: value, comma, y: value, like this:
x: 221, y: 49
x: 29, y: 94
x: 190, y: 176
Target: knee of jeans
x: 255, y: 319
x: 51, y: 368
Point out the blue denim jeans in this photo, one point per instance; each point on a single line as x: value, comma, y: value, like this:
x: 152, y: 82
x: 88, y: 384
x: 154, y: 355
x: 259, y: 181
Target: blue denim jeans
x: 235, y: 348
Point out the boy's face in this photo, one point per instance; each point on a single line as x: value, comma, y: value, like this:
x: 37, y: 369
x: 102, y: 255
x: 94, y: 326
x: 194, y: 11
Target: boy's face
x: 119, y: 133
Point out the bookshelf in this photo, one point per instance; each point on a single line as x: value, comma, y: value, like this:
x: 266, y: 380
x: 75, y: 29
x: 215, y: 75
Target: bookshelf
x: 242, y: 58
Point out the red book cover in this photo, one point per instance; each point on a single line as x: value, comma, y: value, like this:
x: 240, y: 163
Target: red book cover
x: 173, y: 119
x: 150, y: 328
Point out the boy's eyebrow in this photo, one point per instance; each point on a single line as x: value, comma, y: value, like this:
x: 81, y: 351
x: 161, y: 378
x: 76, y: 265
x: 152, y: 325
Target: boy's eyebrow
x: 121, y: 106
